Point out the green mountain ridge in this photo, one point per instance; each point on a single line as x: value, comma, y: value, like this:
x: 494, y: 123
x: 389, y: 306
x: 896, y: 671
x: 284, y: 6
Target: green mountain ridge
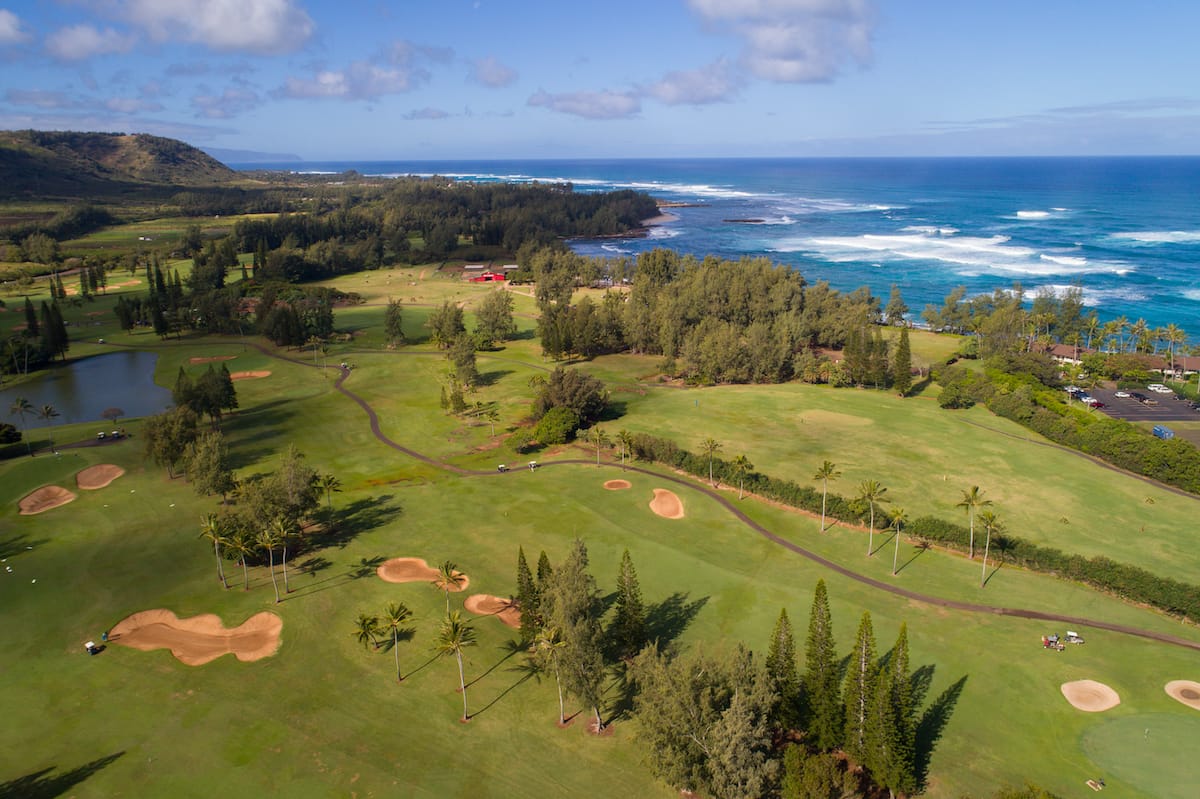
x: 49, y: 164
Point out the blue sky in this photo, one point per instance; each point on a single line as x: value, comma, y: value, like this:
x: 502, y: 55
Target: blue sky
x: 457, y: 79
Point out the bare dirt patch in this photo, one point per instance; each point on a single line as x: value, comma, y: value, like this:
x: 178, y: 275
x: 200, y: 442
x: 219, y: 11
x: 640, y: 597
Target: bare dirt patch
x: 199, y: 639
x: 212, y: 359
x: 415, y: 570
x: 98, y: 476
x: 666, y: 504
x: 617, y: 485
x: 249, y: 375
x: 1184, y: 691
x: 487, y: 605
x: 43, y: 499
x: 1090, y: 695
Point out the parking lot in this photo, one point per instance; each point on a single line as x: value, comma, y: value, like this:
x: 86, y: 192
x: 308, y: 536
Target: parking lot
x: 1168, y: 408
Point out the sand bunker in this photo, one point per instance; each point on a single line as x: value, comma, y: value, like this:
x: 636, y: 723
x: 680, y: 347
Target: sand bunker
x: 98, y: 476
x: 198, y: 640
x: 487, y: 605
x: 44, y: 499
x: 212, y: 359
x: 617, y: 485
x: 1090, y: 695
x: 249, y: 375
x: 1184, y: 691
x: 666, y: 504
x: 414, y: 570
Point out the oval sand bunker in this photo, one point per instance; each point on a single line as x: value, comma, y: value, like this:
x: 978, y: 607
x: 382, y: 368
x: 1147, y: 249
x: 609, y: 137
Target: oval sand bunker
x: 1090, y: 695
x: 1184, y: 691
x: 44, y: 499
x: 98, y: 476
x: 666, y: 504
x: 617, y: 485
x: 199, y: 639
x: 414, y: 570
x: 488, y: 605
x: 255, y: 375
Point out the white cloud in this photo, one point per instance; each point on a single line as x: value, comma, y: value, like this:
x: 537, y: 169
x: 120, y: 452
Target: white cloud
x: 255, y: 26
x: 491, y: 73
x: 589, y: 105
x: 795, y: 41
x: 427, y: 113
x: 229, y: 103
x: 131, y: 105
x: 714, y: 83
x: 395, y: 70
x: 39, y: 99
x: 10, y: 28
x: 79, y: 42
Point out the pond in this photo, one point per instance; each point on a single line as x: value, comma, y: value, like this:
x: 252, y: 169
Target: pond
x: 83, y: 390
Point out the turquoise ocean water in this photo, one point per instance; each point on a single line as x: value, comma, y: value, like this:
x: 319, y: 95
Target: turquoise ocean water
x: 1126, y: 230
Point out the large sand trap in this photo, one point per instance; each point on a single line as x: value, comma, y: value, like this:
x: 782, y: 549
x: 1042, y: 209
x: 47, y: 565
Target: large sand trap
x: 414, y: 570
x: 488, y: 605
x: 98, y: 476
x: 617, y: 485
x: 198, y: 640
x: 43, y: 499
x: 212, y: 359
x: 1184, y: 691
x: 1090, y: 695
x: 666, y: 504
x: 249, y: 375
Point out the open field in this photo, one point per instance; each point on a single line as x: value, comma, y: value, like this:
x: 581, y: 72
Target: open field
x: 326, y: 717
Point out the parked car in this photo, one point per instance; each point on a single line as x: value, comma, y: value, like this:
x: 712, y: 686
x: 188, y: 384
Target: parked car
x: 1139, y: 396
x: 1092, y: 402
x: 1122, y: 395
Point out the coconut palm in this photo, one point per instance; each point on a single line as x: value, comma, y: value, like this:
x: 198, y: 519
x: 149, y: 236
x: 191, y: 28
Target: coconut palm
x: 600, y: 439
x: 741, y: 467
x: 455, y: 636
x: 871, y: 492
x: 268, y: 539
x: 1174, y: 336
x: 972, y: 500
x: 21, y: 406
x: 366, y: 629
x: 240, y: 543
x: 991, y: 525
x: 710, y: 446
x: 283, y: 532
x: 625, y: 439
x: 493, y: 416
x: 826, y: 473
x: 394, y: 615
x: 898, y: 518
x: 212, y: 527
x: 449, y: 579
x: 329, y: 483
x: 48, y: 413
x: 546, y: 649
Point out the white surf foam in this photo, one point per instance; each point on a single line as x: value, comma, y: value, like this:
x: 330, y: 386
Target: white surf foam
x: 1159, y: 237
x: 1192, y: 294
x: 1094, y: 298
x: 1033, y: 214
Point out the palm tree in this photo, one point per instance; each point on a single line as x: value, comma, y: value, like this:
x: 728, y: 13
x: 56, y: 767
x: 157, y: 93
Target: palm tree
x: 898, y: 519
x: 21, y: 406
x: 1092, y: 327
x: 395, y: 614
x: 449, y: 578
x: 710, y: 447
x: 972, y: 500
x: 599, y: 439
x: 625, y: 439
x: 283, y: 533
x: 493, y: 416
x: 991, y: 524
x: 268, y: 540
x: 329, y: 483
x: 872, y: 493
x: 826, y: 473
x: 212, y: 527
x: 455, y: 636
x: 242, y: 545
x: 546, y: 648
x: 741, y: 467
x: 47, y: 413
x: 1174, y: 336
x: 365, y: 630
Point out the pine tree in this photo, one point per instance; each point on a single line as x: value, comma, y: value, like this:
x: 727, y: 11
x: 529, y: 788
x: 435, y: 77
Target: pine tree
x: 544, y: 572
x: 629, y: 625
x: 892, y: 732
x: 527, y: 598
x: 60, y: 289
x: 781, y: 666
x: 32, y: 328
x: 572, y: 605
x: 184, y: 391
x: 902, y: 365
x: 860, y: 689
x: 877, y: 360
x: 822, y: 693
x: 228, y: 400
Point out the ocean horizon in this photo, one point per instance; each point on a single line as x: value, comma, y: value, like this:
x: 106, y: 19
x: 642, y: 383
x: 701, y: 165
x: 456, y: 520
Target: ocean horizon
x: 1124, y: 229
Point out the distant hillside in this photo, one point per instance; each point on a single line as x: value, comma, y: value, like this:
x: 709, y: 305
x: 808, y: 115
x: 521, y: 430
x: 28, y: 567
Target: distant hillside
x: 66, y: 164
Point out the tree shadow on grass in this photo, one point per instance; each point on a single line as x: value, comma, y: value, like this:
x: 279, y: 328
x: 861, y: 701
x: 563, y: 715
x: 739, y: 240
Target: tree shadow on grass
x: 15, y: 544
x: 493, y: 376
x: 343, y: 525
x: 666, y: 620
x: 43, y: 785
x: 511, y: 651
x: 522, y: 679
x: 922, y: 547
x: 929, y: 729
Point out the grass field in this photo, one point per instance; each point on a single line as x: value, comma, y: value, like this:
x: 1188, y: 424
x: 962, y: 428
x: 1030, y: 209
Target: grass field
x: 326, y: 717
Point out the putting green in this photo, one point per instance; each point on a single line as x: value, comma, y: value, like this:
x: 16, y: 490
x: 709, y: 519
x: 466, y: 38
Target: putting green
x: 1153, y: 752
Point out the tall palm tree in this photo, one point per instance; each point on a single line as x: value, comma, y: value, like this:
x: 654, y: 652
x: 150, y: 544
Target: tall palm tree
x: 212, y: 527
x: 826, y: 473
x: 366, y: 629
x: 546, y: 649
x: 493, y: 416
x: 242, y: 544
x: 990, y: 524
x: 710, y: 446
x: 625, y: 439
x: 741, y: 467
x: 1092, y: 328
x: 599, y: 439
x: 48, y: 413
x: 329, y: 483
x: 972, y: 500
x: 449, y: 578
x: 1174, y: 337
x: 455, y: 636
x: 283, y: 532
x: 871, y: 492
x: 898, y: 518
x: 394, y: 615
x: 268, y: 539
x: 21, y: 406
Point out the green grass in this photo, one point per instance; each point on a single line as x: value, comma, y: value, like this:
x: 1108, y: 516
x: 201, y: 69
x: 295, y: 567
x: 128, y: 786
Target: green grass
x: 1152, y: 752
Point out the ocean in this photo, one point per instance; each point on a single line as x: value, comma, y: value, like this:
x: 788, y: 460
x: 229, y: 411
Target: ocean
x: 1124, y: 229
